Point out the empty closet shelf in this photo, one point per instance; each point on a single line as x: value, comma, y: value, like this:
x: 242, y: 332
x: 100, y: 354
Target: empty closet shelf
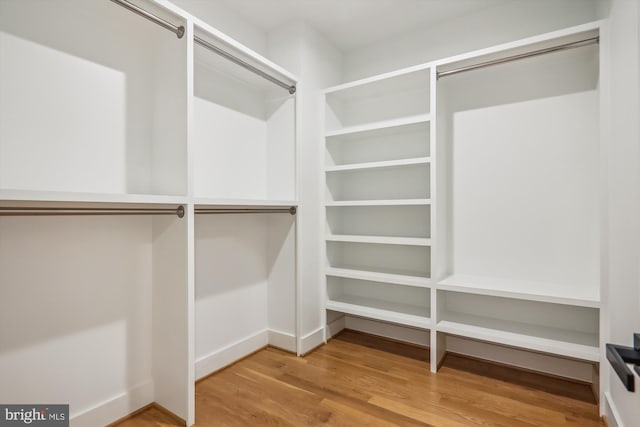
x: 532, y: 291
x: 398, y: 279
x: 379, y: 165
x: 385, y: 240
x: 563, y: 342
x: 384, y: 124
x: 386, y: 202
x: 387, y: 311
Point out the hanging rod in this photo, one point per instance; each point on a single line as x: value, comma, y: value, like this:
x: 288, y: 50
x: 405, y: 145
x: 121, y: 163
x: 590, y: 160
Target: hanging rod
x: 244, y: 64
x: 571, y: 45
x: 179, y: 31
x: 292, y: 210
x: 42, y: 211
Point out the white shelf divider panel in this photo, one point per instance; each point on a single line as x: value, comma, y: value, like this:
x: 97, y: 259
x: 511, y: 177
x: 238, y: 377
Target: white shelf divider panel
x: 386, y: 311
x: 385, y: 240
x: 399, y: 279
x: 383, y: 164
x: 564, y: 343
x: 384, y: 124
x: 398, y: 202
x: 532, y: 291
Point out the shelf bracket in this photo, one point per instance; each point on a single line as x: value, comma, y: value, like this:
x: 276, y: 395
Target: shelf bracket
x: 618, y: 356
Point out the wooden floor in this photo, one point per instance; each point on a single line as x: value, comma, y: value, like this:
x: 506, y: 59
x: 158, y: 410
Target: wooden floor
x: 358, y: 380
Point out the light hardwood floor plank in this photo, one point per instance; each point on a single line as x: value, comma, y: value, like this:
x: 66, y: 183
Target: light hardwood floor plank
x: 361, y: 380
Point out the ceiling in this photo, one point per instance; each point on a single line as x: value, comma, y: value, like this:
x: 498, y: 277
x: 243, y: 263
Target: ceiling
x: 351, y: 24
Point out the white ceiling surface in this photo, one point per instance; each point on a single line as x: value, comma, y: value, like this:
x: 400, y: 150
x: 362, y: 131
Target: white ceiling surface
x: 351, y: 24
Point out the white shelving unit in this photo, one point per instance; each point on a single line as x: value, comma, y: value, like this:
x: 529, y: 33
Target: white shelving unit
x: 173, y: 156
x: 504, y: 208
x: 379, y: 173
x: 518, y: 209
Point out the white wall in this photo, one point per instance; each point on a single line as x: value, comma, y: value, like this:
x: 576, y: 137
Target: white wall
x: 622, y: 147
x: 304, y: 51
x: 515, y: 20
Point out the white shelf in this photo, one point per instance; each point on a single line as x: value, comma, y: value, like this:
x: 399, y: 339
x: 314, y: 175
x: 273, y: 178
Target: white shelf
x: 385, y: 240
x: 387, y: 202
x: 562, y: 342
x: 242, y: 203
x: 384, y: 124
x: 531, y: 291
x: 28, y: 198
x: 404, y: 314
x: 384, y: 164
x: 398, y: 279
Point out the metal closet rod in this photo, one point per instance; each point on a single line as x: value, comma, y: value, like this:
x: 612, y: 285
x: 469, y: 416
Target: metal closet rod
x: 292, y: 210
x: 178, y: 30
x: 244, y: 64
x: 571, y: 45
x: 42, y: 211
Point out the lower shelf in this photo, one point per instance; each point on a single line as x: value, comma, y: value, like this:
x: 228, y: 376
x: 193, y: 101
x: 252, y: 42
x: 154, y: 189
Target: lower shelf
x: 404, y: 314
x: 562, y: 342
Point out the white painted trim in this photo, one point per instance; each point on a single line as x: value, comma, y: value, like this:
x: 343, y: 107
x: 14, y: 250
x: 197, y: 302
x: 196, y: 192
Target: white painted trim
x: 388, y: 330
x: 312, y: 340
x: 335, y: 327
x: 522, y: 358
x: 231, y: 353
x: 611, y: 411
x: 114, y: 408
x: 282, y: 340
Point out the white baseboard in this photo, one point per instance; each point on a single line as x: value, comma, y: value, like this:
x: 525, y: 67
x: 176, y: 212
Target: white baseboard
x: 611, y: 412
x: 538, y: 362
x: 115, y: 408
x: 231, y: 353
x: 311, y: 340
x: 282, y: 340
x: 388, y: 330
x: 335, y: 327
x: 567, y: 368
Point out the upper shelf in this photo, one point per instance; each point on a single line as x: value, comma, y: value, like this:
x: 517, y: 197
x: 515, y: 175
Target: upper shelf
x: 377, y: 103
x: 25, y: 198
x: 201, y: 203
x: 532, y: 291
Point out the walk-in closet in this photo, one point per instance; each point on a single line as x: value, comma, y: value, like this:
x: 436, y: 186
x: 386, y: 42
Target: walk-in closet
x: 290, y: 212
